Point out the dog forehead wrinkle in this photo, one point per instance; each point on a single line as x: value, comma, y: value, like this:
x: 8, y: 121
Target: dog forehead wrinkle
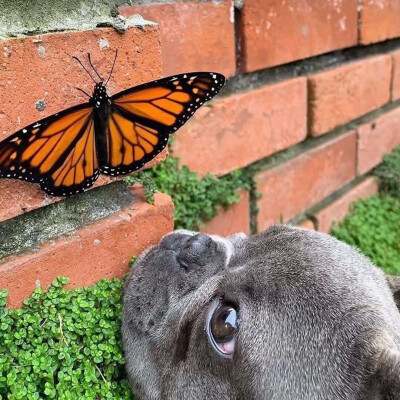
x: 183, y: 314
x: 227, y: 246
x: 188, y: 306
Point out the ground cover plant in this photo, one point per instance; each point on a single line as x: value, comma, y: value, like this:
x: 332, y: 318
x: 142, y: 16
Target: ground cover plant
x: 196, y: 199
x: 64, y: 344
x: 388, y: 173
x: 373, y: 226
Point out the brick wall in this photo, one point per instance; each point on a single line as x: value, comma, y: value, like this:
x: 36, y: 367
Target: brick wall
x: 92, y: 235
x: 310, y: 108
x: 311, y: 105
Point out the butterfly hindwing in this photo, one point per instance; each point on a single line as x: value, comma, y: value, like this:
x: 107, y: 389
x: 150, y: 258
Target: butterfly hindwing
x: 41, y: 152
x: 130, y: 144
x: 143, y: 117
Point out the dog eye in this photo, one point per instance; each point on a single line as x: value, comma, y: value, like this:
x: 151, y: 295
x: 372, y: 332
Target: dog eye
x: 222, y: 327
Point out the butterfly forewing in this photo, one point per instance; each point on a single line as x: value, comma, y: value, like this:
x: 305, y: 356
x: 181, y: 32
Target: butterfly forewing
x: 39, y: 151
x: 80, y: 168
x: 142, y: 118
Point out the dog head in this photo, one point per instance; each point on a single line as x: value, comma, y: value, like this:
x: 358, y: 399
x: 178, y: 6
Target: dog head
x: 287, y: 314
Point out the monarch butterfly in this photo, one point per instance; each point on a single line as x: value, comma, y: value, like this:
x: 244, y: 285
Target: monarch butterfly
x: 114, y: 135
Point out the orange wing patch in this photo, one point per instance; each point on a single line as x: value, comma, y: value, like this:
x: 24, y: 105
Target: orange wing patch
x: 129, y: 142
x: 46, y: 147
x: 164, y: 104
x: 81, y: 163
x: 42, y: 152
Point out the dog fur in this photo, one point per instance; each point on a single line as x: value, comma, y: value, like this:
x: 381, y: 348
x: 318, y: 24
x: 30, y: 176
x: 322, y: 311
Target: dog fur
x: 317, y: 320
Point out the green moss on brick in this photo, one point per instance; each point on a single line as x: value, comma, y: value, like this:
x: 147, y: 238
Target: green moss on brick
x: 196, y: 199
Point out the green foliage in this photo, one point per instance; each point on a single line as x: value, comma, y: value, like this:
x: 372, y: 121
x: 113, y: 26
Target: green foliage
x: 195, y: 199
x: 133, y: 260
x: 388, y: 173
x: 64, y: 344
x: 150, y: 187
x: 374, y: 227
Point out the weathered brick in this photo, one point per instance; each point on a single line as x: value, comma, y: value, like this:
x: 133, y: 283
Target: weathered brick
x: 292, y: 187
x: 379, y: 20
x: 276, y: 32
x: 233, y: 220
x: 99, y: 250
x: 341, y: 94
x: 396, y: 75
x: 235, y: 131
x: 337, y: 210
x: 376, y: 138
x: 195, y: 36
x: 41, y: 67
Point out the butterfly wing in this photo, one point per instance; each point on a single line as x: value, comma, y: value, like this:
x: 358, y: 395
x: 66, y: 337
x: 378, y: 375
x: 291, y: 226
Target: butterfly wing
x: 58, y: 152
x: 143, y: 117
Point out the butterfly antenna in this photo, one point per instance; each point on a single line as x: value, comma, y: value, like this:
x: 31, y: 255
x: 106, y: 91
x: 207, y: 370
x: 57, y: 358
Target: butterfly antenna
x: 112, y: 68
x: 80, y: 62
x: 94, y: 69
x: 81, y: 90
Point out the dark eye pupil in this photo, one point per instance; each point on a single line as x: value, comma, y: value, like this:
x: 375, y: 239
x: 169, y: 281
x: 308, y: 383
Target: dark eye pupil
x: 224, y: 323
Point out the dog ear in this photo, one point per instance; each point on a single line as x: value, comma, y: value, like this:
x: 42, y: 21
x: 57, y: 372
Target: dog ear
x: 387, y: 374
x: 394, y: 284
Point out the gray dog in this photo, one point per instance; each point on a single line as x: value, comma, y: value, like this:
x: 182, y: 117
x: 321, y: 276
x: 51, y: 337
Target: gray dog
x: 288, y: 314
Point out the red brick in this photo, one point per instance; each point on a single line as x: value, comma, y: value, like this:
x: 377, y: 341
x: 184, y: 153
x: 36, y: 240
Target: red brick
x: 41, y: 67
x: 292, y: 187
x: 233, y: 220
x: 100, y: 250
x: 237, y: 130
x: 307, y: 224
x: 379, y: 20
x: 195, y: 36
x: 341, y: 94
x: 276, y: 32
x: 376, y: 138
x: 337, y: 210
x: 396, y: 75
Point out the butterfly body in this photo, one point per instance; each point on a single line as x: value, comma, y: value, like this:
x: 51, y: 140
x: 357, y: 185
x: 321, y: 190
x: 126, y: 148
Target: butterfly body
x: 113, y: 135
x: 102, y: 109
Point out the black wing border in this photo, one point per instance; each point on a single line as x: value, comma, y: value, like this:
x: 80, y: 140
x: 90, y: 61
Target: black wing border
x: 164, y: 131
x: 32, y: 174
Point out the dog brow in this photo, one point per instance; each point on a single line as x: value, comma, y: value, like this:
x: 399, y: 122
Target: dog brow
x: 227, y: 245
